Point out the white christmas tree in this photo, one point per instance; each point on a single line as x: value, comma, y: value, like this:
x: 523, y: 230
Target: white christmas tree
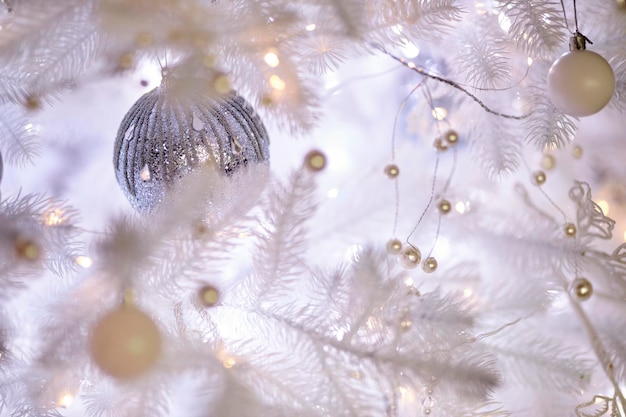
x: 430, y: 238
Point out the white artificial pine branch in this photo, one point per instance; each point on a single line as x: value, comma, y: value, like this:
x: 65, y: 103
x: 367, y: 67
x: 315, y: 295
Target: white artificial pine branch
x: 17, y: 136
x: 47, y: 45
x: 537, y: 27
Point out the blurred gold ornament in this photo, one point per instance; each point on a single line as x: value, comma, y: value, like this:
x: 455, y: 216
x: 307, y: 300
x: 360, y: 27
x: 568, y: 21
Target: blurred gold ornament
x: 125, y: 343
x: 33, y: 103
x: 26, y: 249
x: 444, y: 207
x: 394, y: 246
x: 315, y: 160
x: 451, y: 137
x: 440, y: 144
x: 429, y: 265
x: 392, y: 171
x: 539, y: 177
x: 570, y: 229
x: 208, y: 295
x: 411, y: 257
x: 582, y: 289
x: 547, y: 161
x: 577, y: 152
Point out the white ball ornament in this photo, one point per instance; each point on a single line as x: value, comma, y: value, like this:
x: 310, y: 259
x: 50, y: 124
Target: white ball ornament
x: 580, y: 82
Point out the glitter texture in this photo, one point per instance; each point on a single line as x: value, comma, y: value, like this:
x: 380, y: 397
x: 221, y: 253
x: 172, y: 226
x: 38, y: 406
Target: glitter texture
x: 165, y: 136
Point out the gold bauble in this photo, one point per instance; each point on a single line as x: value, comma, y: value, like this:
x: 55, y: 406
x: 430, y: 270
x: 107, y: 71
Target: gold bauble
x: 315, y: 160
x: 451, y: 137
x: 392, y: 171
x: 548, y: 161
x: 394, y: 246
x: 125, y: 343
x: 539, y: 177
x: 582, y: 289
x: 411, y: 257
x: 429, y: 265
x: 209, y: 295
x: 444, y: 206
x: 570, y: 229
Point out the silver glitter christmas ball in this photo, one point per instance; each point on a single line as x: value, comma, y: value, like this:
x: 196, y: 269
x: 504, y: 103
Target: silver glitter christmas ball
x: 168, y: 134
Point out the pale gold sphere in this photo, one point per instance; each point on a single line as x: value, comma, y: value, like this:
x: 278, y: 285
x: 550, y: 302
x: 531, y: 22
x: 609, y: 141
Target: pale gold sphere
x: 429, y: 265
x: 444, y: 207
x: 570, y: 229
x: 315, y: 160
x: 577, y: 152
x: 125, y: 343
x: 394, y: 246
x: 580, y: 83
x: 208, y: 296
x: 451, y: 137
x: 392, y: 171
x: 539, y: 177
x: 582, y: 289
x: 548, y: 161
x: 440, y: 144
x: 411, y: 257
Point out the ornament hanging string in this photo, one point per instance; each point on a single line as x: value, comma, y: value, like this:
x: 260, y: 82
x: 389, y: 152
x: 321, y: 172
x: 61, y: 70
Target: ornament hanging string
x: 454, y: 84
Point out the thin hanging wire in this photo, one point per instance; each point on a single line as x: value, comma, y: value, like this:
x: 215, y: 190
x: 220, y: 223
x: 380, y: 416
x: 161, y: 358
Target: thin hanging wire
x: 451, y: 83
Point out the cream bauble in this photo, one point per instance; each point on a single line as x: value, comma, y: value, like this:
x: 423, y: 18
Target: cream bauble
x: 125, y: 343
x: 580, y: 83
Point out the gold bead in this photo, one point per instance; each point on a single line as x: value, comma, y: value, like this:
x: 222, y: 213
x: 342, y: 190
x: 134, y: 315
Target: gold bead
x: 444, y: 207
x: 125, y: 343
x: 570, y: 229
x: 26, y: 249
x: 451, y: 137
x: 411, y: 258
x: 392, y: 171
x: 126, y: 61
x: 582, y: 289
x: 315, y: 161
x: 394, y: 246
x: 547, y: 161
x: 577, y: 152
x: 208, y: 295
x: 539, y: 177
x: 440, y: 145
x: 33, y: 103
x: 429, y: 265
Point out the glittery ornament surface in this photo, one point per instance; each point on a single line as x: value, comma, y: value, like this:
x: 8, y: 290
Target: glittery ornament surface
x: 166, y: 135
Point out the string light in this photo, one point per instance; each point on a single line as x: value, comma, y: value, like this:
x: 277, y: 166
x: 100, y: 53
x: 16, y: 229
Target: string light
x: 439, y: 113
x: 310, y: 27
x: 65, y: 400
x: 271, y: 59
x: 277, y: 83
x: 54, y: 217
x: 84, y: 261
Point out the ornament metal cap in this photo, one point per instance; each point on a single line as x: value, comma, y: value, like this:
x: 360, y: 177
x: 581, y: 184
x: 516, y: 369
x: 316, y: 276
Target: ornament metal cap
x: 578, y: 42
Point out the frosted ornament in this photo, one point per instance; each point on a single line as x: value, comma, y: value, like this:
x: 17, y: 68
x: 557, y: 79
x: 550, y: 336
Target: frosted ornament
x: 580, y: 82
x: 125, y: 343
x: 171, y: 132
